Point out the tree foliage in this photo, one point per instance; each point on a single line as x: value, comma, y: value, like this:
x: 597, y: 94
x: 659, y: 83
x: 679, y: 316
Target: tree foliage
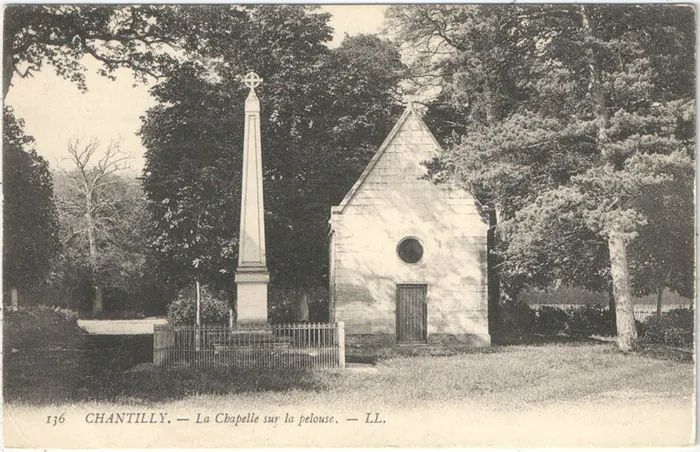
x: 664, y: 253
x: 61, y: 36
x: 30, y: 222
x: 324, y: 111
x: 578, y: 126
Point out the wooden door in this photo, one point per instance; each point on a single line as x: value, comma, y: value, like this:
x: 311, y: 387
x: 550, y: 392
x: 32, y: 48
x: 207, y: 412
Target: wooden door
x: 411, y: 312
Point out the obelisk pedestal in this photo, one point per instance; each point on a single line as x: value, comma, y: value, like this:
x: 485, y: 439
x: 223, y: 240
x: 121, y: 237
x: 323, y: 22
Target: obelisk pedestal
x: 251, y: 292
x: 252, y: 275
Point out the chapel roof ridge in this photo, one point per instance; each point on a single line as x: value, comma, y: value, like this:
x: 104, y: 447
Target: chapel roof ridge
x: 408, y: 111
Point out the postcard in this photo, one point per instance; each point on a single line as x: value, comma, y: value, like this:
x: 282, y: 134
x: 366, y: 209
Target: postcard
x: 362, y: 226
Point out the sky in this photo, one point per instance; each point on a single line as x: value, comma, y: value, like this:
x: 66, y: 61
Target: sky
x: 55, y: 111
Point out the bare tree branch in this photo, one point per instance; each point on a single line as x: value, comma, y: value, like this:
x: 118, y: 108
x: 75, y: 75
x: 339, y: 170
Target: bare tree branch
x: 90, y: 175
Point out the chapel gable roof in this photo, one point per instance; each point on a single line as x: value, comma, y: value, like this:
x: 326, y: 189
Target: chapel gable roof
x: 409, y: 112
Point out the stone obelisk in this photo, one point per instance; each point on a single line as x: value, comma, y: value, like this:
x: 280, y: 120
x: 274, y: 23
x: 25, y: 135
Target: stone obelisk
x: 252, y: 275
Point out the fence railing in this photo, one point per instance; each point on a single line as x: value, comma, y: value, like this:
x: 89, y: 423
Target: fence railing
x: 299, y: 345
x: 641, y: 311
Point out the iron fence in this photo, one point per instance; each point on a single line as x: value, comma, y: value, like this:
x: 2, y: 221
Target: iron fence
x: 298, y: 345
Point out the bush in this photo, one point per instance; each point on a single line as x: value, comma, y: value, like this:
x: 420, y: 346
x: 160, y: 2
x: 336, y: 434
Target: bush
x: 517, y: 323
x: 591, y: 319
x: 183, y: 310
x: 672, y: 329
x: 283, y: 304
x: 117, y: 303
x: 154, y: 294
x: 550, y: 320
x: 39, y: 326
x: 319, y: 303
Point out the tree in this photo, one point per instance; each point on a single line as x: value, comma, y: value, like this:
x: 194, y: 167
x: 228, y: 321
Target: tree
x: 30, y: 223
x: 664, y: 255
x: 144, y: 38
x: 594, y: 120
x: 134, y: 36
x: 323, y: 114
x: 102, y: 217
x: 87, y: 197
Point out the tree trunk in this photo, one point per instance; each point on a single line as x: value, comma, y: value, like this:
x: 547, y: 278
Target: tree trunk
x: 8, y: 70
x: 612, y: 308
x: 490, y: 103
x: 231, y: 311
x: 92, y: 248
x: 626, y: 328
x: 660, y: 293
x: 97, y: 305
x: 302, y: 308
x: 91, y: 239
x: 596, y: 87
x: 659, y: 298
x: 14, y: 297
x: 8, y: 58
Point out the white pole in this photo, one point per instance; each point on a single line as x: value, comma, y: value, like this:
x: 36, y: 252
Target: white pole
x: 199, y: 308
x: 199, y: 300
x: 15, y: 299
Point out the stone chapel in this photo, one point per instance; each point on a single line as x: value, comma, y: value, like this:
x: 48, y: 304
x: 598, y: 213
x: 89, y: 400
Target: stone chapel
x: 408, y: 258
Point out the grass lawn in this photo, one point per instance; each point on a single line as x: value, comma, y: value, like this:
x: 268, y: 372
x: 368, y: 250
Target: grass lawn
x: 502, y: 377
x: 513, y: 396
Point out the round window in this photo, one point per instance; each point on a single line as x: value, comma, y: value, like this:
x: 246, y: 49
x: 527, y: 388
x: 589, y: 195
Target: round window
x: 410, y: 250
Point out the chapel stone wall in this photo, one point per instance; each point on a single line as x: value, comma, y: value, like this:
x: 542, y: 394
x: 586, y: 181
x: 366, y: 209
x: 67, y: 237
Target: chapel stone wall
x: 394, y: 202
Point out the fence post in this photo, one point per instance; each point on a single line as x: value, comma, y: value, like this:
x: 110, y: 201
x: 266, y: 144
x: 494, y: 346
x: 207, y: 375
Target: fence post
x: 157, y: 355
x: 341, y: 344
x: 163, y: 342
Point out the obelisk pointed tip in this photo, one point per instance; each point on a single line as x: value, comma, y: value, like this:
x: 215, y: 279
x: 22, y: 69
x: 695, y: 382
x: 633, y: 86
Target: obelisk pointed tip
x: 252, y: 80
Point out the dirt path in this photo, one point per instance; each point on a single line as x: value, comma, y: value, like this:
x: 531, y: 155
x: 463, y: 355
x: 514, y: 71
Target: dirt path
x: 120, y: 327
x: 614, y: 420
